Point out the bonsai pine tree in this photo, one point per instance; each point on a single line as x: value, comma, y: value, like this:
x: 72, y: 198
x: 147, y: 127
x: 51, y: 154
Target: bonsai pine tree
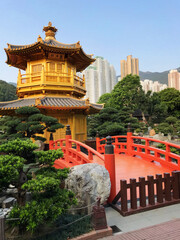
x: 106, y: 122
x: 39, y: 177
x: 29, y: 122
x: 110, y: 121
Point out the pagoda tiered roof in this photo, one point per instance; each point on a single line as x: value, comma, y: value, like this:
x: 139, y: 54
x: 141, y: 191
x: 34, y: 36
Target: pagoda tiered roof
x: 18, y: 55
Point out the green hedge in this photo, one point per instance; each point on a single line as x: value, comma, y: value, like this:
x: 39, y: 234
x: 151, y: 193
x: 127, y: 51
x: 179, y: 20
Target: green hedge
x: 64, y: 232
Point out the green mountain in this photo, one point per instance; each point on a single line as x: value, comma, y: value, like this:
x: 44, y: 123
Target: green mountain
x: 161, y: 77
x: 13, y: 83
x: 7, y: 91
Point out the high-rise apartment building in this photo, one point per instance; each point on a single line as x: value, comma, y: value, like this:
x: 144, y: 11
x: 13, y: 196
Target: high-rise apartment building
x: 149, y: 85
x: 131, y: 66
x: 114, y: 80
x: 174, y: 79
x: 100, y: 78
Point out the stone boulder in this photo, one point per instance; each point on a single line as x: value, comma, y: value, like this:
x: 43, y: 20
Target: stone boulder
x: 89, y: 182
x: 2, y: 198
x: 9, y: 202
x: 40, y: 145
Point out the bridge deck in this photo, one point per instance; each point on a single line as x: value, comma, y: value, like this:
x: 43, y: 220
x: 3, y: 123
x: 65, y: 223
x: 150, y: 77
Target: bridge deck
x: 133, y: 167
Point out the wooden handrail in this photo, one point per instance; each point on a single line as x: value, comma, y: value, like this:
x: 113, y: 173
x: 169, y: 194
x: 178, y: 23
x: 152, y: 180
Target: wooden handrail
x: 73, y: 156
x: 156, y: 140
x: 89, y: 149
x: 54, y: 144
x: 113, y: 137
x: 167, y: 193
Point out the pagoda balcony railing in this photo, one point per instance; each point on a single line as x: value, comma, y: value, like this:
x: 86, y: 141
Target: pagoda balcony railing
x: 50, y: 78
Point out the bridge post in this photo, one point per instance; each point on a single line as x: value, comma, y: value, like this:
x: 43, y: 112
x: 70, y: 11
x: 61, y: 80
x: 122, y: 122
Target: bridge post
x: 168, y: 150
x: 97, y: 141
x: 129, y: 143
x: 109, y: 161
x: 51, y: 141
x: 68, y: 144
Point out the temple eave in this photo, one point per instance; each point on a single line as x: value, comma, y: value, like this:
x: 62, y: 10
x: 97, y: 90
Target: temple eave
x: 50, y: 103
x: 36, y: 47
x: 62, y: 108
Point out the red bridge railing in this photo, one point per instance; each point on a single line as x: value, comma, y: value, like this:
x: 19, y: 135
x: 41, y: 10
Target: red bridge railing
x: 147, y: 148
x: 76, y: 153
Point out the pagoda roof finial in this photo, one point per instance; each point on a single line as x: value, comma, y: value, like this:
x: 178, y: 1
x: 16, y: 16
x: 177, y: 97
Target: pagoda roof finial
x: 39, y: 39
x: 50, y: 31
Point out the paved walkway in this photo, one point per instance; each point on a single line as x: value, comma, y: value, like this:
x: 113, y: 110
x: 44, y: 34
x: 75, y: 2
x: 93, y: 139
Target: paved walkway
x: 164, y: 231
x: 138, y: 223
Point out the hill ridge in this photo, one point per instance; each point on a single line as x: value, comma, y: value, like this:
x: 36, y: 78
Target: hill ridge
x: 161, y: 77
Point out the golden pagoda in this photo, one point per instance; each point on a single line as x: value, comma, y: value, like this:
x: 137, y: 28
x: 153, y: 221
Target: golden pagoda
x: 50, y: 82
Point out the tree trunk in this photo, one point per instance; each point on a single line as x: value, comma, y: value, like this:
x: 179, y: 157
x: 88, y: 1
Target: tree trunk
x: 21, y: 193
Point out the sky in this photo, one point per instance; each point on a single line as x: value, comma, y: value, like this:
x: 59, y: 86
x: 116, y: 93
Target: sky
x: 113, y: 29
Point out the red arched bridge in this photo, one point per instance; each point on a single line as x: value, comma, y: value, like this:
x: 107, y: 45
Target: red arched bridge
x: 129, y: 157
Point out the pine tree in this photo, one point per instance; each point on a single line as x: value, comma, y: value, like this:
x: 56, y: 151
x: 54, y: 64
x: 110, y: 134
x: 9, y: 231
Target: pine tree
x: 29, y: 122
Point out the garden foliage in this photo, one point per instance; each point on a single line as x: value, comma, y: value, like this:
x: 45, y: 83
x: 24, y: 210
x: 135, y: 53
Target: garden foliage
x: 32, y: 171
x: 125, y: 99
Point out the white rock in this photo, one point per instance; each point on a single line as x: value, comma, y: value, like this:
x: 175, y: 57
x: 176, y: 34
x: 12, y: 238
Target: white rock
x: 8, y: 202
x: 40, y: 145
x: 11, y: 191
x: 2, y: 199
x: 88, y: 182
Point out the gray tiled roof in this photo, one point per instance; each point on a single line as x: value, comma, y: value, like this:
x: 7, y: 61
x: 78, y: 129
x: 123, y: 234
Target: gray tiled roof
x: 62, y: 102
x: 49, y: 42
x: 18, y: 47
x: 54, y: 43
x: 97, y: 106
x: 19, y: 103
x: 48, y: 101
x: 2, y: 104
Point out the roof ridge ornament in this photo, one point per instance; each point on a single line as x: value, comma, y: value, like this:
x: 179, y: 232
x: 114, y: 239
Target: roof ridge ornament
x: 87, y: 101
x: 50, y: 31
x: 78, y: 44
x: 38, y: 101
x: 39, y: 39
